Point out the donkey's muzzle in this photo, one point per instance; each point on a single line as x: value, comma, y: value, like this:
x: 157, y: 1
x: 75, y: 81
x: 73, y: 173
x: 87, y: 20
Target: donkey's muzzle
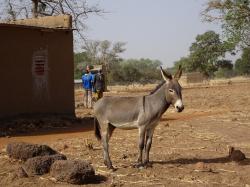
x: 180, y: 108
x: 179, y: 105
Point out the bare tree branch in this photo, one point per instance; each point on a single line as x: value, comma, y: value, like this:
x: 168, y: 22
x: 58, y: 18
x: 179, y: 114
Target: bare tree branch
x: 80, y: 10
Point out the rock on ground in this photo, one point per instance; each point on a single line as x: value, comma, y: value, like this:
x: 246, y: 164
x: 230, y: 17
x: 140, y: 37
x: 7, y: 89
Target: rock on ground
x: 237, y: 156
x: 74, y: 172
x: 41, y: 164
x: 201, y: 166
x: 24, y: 151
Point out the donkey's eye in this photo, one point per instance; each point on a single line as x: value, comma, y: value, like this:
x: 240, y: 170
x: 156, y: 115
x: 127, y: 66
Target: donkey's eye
x: 170, y: 90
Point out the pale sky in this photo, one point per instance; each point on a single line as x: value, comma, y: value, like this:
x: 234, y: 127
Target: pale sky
x: 155, y: 29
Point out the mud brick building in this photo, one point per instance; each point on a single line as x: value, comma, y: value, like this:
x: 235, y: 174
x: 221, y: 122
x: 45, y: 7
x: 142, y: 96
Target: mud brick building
x: 36, y: 66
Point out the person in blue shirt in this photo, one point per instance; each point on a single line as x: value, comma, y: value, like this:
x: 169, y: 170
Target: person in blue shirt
x: 87, y: 82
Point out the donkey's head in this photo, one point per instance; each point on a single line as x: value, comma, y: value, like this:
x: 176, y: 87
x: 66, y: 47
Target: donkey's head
x: 173, y: 89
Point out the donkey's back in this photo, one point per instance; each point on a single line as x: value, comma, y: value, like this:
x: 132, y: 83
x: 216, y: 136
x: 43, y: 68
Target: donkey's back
x: 121, y: 112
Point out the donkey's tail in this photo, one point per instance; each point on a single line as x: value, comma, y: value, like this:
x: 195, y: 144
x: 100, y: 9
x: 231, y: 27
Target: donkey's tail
x: 97, y: 129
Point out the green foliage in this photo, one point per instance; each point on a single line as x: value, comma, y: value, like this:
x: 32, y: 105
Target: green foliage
x: 119, y: 71
x: 234, y: 16
x: 205, y: 51
x: 123, y: 71
x: 224, y: 69
x: 224, y: 73
x: 204, y: 55
x: 186, y: 64
x: 224, y: 64
x: 81, y: 60
x: 242, y: 65
x: 98, y: 52
x: 135, y: 71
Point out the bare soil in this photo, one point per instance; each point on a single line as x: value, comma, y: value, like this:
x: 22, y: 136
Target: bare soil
x: 189, y: 148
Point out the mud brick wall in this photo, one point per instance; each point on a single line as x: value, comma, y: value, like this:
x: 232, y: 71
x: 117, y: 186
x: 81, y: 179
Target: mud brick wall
x: 36, y: 69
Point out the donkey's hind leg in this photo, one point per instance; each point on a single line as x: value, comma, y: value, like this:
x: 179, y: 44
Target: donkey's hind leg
x: 106, y: 134
x: 148, y: 143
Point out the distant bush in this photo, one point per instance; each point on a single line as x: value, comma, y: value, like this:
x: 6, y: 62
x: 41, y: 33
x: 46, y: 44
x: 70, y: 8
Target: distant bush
x: 224, y: 73
x: 135, y: 71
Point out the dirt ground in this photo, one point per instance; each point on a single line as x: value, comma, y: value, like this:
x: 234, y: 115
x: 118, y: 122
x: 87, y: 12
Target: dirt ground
x: 214, y: 118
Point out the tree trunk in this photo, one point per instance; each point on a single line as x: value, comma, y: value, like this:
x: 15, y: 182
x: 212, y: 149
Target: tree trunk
x: 35, y: 8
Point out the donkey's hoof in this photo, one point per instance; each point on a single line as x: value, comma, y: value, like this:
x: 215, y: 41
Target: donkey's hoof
x: 108, y: 164
x: 112, y: 168
x: 148, y: 165
x: 138, y: 165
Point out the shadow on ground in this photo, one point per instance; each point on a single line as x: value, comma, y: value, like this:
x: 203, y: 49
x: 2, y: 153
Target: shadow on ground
x: 44, y: 126
x: 196, y: 160
x: 97, y: 179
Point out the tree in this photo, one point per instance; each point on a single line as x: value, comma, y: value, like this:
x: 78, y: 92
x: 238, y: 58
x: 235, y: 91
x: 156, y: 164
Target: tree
x: 81, y: 60
x: 224, y: 68
x: 130, y: 72
x: 136, y: 71
x: 185, y: 63
x: 204, y: 54
x: 80, y: 10
x: 242, y: 65
x: 224, y: 64
x: 104, y: 52
x: 234, y: 16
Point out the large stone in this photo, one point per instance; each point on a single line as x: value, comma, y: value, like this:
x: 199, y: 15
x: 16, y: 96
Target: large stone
x: 74, y: 172
x: 24, y: 151
x: 41, y: 164
x: 236, y: 155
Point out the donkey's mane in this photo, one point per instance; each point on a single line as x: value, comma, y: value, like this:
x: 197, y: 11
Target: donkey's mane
x: 157, y: 87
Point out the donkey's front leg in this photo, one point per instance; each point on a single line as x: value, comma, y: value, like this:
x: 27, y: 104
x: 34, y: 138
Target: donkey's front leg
x: 141, y: 145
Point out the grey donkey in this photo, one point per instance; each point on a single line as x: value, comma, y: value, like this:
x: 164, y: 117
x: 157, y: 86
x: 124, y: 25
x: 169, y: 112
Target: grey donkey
x: 141, y: 112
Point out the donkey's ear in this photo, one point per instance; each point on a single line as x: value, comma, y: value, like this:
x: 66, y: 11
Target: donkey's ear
x: 165, y: 75
x: 178, y: 73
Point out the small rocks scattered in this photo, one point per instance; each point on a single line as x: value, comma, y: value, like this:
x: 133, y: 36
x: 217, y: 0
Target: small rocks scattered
x: 89, y: 144
x: 166, y: 124
x: 24, y: 151
x: 234, y: 119
x: 202, y: 167
x: 65, y: 146
x: 41, y: 164
x: 74, y: 172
